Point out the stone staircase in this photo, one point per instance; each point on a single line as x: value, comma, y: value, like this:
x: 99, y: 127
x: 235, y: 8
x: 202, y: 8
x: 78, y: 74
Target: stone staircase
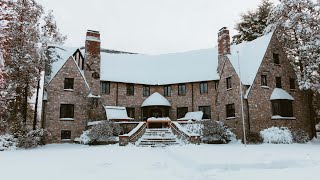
x: 157, y: 138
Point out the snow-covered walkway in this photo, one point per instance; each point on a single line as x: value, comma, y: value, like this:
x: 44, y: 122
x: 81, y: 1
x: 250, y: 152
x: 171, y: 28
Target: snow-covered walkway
x: 201, y: 162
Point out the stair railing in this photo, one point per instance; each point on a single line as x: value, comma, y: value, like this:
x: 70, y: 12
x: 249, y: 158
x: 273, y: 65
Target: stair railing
x: 178, y: 130
x: 133, y: 135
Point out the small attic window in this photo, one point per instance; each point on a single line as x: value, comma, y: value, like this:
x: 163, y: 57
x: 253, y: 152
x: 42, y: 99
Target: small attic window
x: 276, y: 58
x: 292, y: 83
x: 68, y: 83
x: 228, y: 83
x: 264, y: 81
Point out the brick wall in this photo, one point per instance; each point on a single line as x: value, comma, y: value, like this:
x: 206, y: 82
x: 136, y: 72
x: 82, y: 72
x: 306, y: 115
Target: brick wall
x: 57, y: 95
x: 259, y: 99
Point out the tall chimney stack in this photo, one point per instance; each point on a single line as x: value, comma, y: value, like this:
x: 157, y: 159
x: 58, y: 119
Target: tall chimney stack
x: 92, y: 61
x: 224, y: 41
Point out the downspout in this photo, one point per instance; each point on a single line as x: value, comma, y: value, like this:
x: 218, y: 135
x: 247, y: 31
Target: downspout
x: 192, y: 98
x: 248, y: 114
x: 117, y: 94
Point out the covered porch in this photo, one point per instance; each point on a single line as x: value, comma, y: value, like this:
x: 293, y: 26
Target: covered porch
x: 155, y: 111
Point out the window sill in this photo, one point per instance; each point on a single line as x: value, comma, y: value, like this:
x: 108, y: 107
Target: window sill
x: 66, y: 119
x: 65, y: 140
x: 230, y: 118
x: 70, y: 90
x: 265, y: 87
x: 282, y: 118
x: 229, y: 89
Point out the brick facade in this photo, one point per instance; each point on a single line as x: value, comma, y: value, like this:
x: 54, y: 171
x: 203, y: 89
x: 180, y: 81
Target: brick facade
x: 57, y: 95
x: 257, y: 108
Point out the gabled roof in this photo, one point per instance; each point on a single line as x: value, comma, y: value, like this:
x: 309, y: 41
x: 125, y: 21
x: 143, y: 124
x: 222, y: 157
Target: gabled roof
x: 251, y: 55
x: 156, y: 99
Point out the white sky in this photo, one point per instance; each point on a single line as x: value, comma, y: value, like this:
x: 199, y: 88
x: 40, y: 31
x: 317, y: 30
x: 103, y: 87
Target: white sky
x: 148, y: 26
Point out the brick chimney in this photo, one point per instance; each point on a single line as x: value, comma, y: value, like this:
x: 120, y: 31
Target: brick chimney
x: 92, y: 61
x: 224, y: 41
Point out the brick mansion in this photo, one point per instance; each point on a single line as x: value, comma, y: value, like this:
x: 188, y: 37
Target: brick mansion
x: 87, y: 84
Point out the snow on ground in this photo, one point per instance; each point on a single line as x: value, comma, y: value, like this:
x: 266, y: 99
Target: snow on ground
x: 200, y: 162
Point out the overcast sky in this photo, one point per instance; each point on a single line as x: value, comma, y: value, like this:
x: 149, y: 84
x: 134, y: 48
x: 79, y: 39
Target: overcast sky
x: 148, y: 26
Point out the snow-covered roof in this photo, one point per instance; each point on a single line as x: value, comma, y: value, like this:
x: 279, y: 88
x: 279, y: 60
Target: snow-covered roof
x: 156, y: 99
x: 173, y: 68
x: 197, y: 115
x: 250, y: 57
x: 116, y: 112
x: 192, y: 66
x: 280, y: 94
x: 59, y: 55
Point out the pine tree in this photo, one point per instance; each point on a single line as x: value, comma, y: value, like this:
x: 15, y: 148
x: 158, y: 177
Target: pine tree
x: 253, y: 23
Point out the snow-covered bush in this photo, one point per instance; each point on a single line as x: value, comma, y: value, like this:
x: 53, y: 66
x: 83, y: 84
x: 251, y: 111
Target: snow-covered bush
x: 34, y: 138
x: 195, y: 128
x: 84, y: 137
x: 105, y: 130
x: 300, y: 136
x: 214, y: 132
x: 254, y: 138
x: 7, y: 142
x: 277, y: 135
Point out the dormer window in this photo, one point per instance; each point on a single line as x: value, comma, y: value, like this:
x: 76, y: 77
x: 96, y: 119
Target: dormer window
x: 276, y: 58
x: 68, y: 83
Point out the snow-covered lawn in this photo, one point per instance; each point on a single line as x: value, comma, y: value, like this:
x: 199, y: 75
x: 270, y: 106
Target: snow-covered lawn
x: 201, y: 162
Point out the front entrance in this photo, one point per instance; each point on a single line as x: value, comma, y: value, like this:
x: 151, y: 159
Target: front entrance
x: 155, y: 111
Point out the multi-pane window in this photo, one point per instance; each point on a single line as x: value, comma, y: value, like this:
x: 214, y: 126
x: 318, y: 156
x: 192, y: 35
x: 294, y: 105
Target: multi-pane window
x: 66, y: 111
x: 264, y: 81
x: 228, y: 83
x: 181, y: 89
x: 131, y: 112
x: 292, y: 83
x: 68, y: 83
x: 216, y: 85
x: 278, y: 82
x: 230, y: 109
x: 276, y: 58
x: 65, y: 134
x: 105, y: 87
x: 282, y: 108
x: 167, y: 90
x: 130, y: 89
x: 206, y: 111
x: 203, y: 87
x: 146, y: 91
x: 181, y: 112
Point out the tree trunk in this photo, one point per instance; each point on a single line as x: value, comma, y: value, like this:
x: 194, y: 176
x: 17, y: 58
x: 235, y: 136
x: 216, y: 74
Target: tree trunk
x: 36, y: 108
